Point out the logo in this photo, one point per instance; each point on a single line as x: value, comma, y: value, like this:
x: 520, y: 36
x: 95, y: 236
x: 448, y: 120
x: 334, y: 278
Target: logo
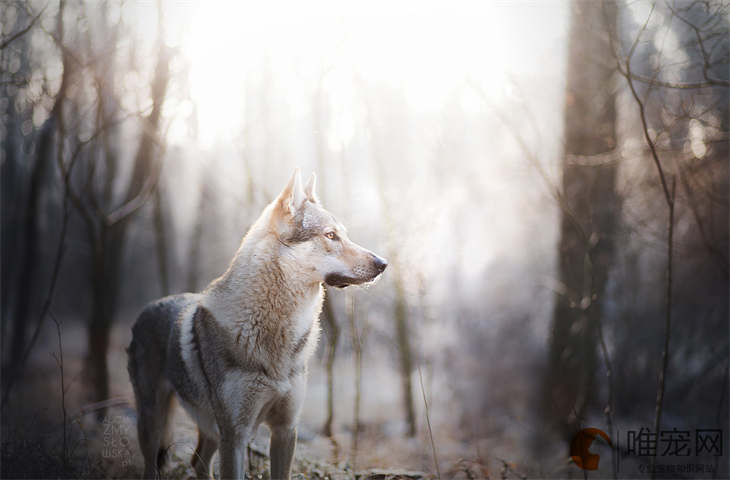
x: 580, y: 445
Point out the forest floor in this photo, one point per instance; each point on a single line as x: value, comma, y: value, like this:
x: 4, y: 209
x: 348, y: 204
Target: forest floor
x: 49, y: 435
x: 35, y: 443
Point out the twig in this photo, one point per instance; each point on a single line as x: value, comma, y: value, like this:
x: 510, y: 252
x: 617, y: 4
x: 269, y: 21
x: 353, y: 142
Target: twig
x: 333, y: 335
x: 669, y: 197
x: 23, y: 31
x: 506, y: 468
x: 46, y: 304
x: 609, y: 408
x: 128, y: 209
x: 59, y: 361
x: 672, y: 85
x: 428, y: 423
x: 667, y: 323
x: 705, y: 55
x: 716, y: 252
x: 553, y: 190
x: 642, y: 112
x: 357, y: 350
x: 719, y: 408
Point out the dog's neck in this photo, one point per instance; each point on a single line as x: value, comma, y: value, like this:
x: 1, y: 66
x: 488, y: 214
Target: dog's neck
x: 269, y: 288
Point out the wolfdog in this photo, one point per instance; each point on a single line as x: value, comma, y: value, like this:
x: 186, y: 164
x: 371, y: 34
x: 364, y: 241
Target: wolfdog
x: 236, y: 354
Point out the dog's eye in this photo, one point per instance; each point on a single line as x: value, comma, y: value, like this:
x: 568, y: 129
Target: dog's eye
x: 331, y: 236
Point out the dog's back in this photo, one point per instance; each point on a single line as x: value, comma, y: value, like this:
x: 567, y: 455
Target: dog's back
x: 152, y: 332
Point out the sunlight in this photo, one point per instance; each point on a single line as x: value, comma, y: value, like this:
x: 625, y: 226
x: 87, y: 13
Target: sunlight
x: 425, y: 51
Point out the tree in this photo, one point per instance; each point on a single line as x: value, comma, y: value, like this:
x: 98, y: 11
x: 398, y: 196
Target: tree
x: 590, y: 210
x: 670, y: 112
x: 107, y: 220
x: 108, y: 238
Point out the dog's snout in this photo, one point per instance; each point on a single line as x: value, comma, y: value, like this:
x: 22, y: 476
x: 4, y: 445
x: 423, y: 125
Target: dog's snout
x: 380, y: 263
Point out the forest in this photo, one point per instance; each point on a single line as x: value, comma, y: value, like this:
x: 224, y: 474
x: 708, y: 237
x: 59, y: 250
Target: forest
x: 549, y: 182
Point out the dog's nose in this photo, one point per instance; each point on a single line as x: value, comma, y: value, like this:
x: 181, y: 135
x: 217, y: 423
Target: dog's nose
x: 380, y: 263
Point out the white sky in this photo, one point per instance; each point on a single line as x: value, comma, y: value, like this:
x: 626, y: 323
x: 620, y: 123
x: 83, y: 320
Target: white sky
x: 426, y: 48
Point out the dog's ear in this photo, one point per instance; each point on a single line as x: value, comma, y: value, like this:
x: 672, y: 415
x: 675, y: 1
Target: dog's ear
x: 309, y: 190
x: 292, y: 197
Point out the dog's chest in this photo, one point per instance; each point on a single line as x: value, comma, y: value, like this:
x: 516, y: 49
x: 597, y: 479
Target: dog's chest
x: 303, y: 318
x: 305, y: 330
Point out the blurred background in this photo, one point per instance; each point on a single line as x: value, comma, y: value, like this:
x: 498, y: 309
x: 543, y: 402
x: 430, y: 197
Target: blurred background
x: 549, y: 181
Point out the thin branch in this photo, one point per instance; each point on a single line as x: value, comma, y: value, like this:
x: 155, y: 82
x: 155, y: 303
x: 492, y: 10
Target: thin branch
x: 47, y: 303
x: 642, y: 112
x: 609, y: 408
x: 718, y: 253
x: 553, y: 189
x: 665, y: 84
x: 76, y: 198
x: 128, y: 209
x: 667, y: 324
x: 428, y: 423
x: 705, y: 56
x: 57, y: 114
x: 59, y: 361
x: 669, y: 197
x: 23, y: 31
x: 357, y: 351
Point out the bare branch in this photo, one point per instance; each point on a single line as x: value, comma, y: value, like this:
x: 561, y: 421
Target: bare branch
x: 553, y: 189
x: 128, y: 208
x: 642, y: 111
x: 22, y: 31
x: 705, y: 56
x: 716, y: 252
x: 665, y: 84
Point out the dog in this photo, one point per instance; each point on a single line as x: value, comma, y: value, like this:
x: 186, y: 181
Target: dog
x: 235, y: 355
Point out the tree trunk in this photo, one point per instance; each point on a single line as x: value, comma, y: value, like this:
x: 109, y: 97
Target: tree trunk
x: 162, y: 243
x: 31, y: 237
x: 196, y: 237
x: 332, y: 328
x: 333, y: 338
x: 101, y: 311
x: 11, y: 176
x: 590, y: 210
x: 357, y: 353
x: 404, y: 350
x: 107, y: 262
x: 400, y: 307
x: 54, y: 124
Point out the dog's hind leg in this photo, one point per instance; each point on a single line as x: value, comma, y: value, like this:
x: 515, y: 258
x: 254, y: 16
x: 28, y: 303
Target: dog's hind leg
x: 166, y: 413
x: 153, y: 429
x: 154, y: 396
x: 203, y: 453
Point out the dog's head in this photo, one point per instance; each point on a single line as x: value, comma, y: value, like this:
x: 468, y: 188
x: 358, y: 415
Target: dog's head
x: 316, y: 242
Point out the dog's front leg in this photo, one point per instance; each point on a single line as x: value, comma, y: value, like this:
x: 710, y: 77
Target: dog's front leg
x: 234, y: 458
x: 283, y: 443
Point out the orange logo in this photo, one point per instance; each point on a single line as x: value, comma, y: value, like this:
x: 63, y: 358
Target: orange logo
x: 580, y: 444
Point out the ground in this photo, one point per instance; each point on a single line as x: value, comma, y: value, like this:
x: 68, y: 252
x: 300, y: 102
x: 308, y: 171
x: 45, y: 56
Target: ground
x: 101, y: 440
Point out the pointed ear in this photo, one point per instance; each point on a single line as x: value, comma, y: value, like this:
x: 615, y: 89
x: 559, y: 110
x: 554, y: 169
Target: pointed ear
x: 292, y: 197
x: 309, y: 190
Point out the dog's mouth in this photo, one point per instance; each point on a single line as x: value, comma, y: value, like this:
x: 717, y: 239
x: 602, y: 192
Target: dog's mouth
x: 338, y: 280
